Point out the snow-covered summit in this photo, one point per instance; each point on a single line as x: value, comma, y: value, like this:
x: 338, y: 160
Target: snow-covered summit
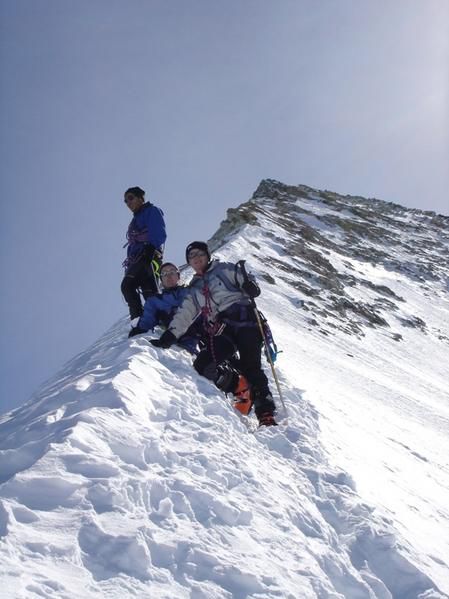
x: 345, y: 255
x: 128, y: 475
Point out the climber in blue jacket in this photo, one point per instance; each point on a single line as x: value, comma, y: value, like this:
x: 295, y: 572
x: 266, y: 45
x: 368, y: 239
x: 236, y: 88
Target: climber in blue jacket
x: 145, y: 245
x: 159, y: 309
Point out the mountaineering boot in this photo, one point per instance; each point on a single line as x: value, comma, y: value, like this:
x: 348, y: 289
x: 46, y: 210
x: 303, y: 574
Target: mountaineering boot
x: 267, y: 419
x: 242, y: 393
x: 265, y: 409
x: 224, y: 376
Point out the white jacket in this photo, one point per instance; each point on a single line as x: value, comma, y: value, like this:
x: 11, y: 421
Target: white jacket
x: 222, y: 282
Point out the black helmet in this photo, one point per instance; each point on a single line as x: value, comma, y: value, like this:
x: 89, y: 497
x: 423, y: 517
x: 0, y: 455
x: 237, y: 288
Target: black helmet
x: 197, y: 245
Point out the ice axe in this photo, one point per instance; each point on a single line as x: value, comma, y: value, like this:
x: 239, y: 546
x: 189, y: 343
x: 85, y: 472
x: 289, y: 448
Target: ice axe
x: 241, y: 264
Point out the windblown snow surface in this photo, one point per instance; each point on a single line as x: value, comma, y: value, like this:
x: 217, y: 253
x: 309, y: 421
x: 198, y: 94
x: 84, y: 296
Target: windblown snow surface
x: 128, y: 475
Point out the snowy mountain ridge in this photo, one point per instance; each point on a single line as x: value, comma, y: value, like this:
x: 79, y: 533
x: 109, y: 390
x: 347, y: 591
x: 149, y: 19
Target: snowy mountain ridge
x: 128, y: 475
x: 312, y: 225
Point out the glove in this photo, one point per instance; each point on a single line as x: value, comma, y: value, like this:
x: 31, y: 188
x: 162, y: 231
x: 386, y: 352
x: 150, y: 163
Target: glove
x: 251, y: 288
x: 166, y: 340
x: 148, y: 251
x: 135, y: 331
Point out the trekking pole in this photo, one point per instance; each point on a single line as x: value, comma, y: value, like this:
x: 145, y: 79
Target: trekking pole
x: 264, y: 337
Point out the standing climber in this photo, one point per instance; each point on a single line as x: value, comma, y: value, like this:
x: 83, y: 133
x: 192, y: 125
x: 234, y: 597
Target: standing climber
x: 145, y: 245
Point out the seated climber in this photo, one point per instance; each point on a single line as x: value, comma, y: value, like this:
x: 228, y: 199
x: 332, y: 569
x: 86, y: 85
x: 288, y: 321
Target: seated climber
x: 159, y: 309
x: 220, y: 295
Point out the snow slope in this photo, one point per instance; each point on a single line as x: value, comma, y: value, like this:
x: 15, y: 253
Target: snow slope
x: 128, y: 475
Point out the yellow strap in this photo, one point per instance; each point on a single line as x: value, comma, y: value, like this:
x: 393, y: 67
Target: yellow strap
x: 156, y: 267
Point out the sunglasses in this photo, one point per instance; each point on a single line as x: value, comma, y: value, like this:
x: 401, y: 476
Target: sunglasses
x: 169, y: 273
x: 195, y: 254
x: 129, y: 198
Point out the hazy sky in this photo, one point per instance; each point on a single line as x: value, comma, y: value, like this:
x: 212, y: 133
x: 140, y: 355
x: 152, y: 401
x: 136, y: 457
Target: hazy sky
x: 196, y: 101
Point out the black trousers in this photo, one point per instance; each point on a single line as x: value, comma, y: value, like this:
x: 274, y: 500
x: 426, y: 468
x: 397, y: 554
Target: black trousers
x: 247, y: 340
x: 138, y: 276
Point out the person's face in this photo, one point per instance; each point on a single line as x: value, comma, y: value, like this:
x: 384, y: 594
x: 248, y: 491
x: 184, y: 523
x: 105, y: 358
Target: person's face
x: 169, y: 277
x: 198, y: 261
x: 133, y: 202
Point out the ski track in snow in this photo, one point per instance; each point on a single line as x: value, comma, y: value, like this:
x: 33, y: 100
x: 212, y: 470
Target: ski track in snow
x: 128, y: 475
